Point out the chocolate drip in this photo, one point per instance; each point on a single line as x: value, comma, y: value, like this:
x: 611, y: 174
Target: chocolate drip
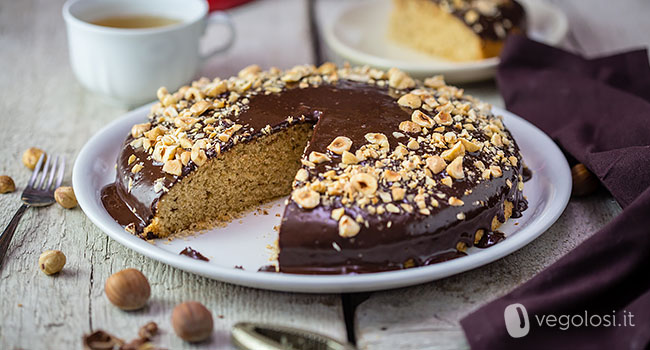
x: 490, y: 238
x: 194, y: 254
x: 526, y: 174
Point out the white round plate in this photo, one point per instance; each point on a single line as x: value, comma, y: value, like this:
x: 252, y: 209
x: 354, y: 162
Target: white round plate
x: 244, y: 242
x: 359, y: 35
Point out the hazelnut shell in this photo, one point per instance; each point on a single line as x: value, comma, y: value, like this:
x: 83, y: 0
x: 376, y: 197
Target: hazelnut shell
x: 30, y: 157
x: 192, y: 321
x: 584, y: 181
x: 7, y: 184
x: 128, y: 289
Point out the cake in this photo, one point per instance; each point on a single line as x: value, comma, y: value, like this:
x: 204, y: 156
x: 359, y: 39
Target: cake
x: 383, y: 171
x: 464, y: 30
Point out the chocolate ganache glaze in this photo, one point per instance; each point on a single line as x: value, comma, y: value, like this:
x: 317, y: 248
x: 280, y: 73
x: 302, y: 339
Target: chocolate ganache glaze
x: 489, y: 19
x: 412, y: 217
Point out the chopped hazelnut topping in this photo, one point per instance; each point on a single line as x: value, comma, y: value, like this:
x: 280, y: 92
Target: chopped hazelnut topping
x: 470, y: 146
x: 455, y: 168
x: 215, y: 89
x: 410, y: 127
x: 348, y: 227
x: 407, y: 207
x: 364, y: 183
x: 377, y: 138
x: 496, y: 140
x: 198, y: 156
x: 495, y: 171
x: 385, y: 197
x: 450, y: 137
x: 249, y: 71
x: 132, y: 159
x: 185, y: 157
x: 302, y: 175
x: 436, y: 164
x: 137, y: 168
x: 317, y: 157
x: 318, y: 186
x: 435, y: 82
x: 443, y: 118
x: 161, y: 93
x: 349, y: 158
x: 193, y: 94
x: 399, y: 80
x: 340, y: 145
x: 421, y: 119
x: 400, y: 152
x: 410, y: 101
x: 398, y: 193
x: 327, y: 68
x: 154, y: 133
x: 337, y: 213
x: 169, y: 100
x: 453, y: 201
x: 456, y: 151
x: 478, y: 235
x: 201, y: 118
x: 392, y: 208
x: 173, y: 167
x: 392, y: 176
x: 139, y: 129
x: 471, y: 17
x: 199, y: 107
x: 306, y: 198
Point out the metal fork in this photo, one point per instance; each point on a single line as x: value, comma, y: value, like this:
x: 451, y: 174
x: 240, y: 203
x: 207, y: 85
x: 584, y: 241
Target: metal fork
x: 38, y: 193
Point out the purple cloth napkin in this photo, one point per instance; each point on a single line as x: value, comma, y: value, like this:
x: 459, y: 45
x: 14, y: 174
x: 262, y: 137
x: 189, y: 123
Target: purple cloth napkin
x: 598, y: 111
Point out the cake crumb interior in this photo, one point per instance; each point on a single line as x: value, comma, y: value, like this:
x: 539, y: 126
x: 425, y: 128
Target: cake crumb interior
x: 247, y: 175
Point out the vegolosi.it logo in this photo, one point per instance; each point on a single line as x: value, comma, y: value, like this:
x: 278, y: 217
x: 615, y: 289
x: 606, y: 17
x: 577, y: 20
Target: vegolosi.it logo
x: 518, y: 323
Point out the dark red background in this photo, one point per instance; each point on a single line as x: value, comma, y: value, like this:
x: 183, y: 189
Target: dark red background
x: 225, y: 4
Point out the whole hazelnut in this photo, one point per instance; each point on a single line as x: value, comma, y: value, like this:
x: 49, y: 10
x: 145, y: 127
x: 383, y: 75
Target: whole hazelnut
x: 64, y: 195
x: 7, y: 184
x: 30, y: 157
x: 584, y: 181
x: 192, y: 321
x: 51, y: 261
x: 128, y: 289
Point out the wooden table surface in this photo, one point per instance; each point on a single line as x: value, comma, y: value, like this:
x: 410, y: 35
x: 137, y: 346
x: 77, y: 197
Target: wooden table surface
x: 44, y: 106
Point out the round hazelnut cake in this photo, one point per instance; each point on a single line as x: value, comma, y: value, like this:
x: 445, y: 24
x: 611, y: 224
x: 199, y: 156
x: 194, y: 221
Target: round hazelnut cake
x: 465, y: 30
x: 384, y: 172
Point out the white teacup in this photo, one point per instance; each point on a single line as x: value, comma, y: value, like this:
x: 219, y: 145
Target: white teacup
x: 129, y: 64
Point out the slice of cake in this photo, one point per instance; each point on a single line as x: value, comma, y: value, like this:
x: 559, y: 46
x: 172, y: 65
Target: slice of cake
x: 383, y: 171
x: 457, y: 30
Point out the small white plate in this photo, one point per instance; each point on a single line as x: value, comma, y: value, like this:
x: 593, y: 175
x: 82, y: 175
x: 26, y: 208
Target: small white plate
x: 359, y: 35
x: 244, y: 242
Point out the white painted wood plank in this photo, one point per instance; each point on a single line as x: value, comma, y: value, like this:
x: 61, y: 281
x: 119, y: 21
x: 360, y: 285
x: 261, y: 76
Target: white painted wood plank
x: 44, y: 106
